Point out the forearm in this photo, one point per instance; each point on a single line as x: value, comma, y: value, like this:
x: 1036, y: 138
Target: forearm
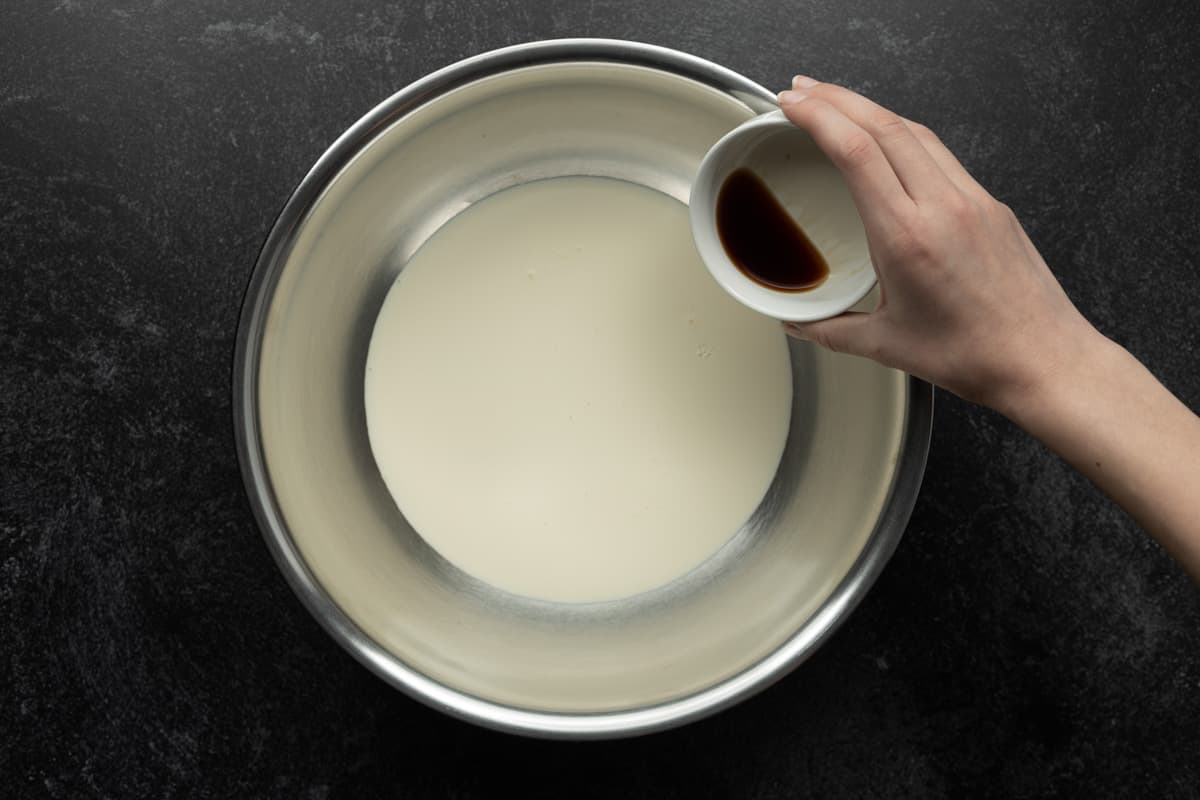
x: 1110, y: 418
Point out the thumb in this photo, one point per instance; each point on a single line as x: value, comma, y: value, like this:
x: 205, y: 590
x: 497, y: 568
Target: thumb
x: 851, y: 332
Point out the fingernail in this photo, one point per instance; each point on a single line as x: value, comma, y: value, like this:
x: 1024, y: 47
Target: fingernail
x: 803, y: 82
x: 789, y: 97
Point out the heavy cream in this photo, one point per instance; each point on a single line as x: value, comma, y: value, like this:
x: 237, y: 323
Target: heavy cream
x: 563, y: 403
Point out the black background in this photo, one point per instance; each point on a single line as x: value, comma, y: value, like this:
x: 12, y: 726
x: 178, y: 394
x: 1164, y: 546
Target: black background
x: 1026, y: 640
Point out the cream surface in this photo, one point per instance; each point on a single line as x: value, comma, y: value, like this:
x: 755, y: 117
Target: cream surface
x: 563, y: 403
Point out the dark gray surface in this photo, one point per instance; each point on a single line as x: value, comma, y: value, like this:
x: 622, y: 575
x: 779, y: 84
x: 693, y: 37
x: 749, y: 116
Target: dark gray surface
x: 1026, y: 640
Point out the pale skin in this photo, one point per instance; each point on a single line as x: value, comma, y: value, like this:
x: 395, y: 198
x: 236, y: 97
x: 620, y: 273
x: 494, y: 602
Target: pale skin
x: 967, y: 303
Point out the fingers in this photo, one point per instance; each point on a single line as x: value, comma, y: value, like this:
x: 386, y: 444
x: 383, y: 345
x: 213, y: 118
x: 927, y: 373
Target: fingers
x: 920, y: 174
x: 946, y: 161
x: 877, y: 192
x: 852, y: 332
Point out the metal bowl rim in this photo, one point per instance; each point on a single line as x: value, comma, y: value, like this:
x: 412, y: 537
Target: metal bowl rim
x: 902, y: 493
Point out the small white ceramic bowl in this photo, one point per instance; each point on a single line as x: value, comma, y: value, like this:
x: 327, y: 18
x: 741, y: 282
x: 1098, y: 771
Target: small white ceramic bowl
x: 812, y: 191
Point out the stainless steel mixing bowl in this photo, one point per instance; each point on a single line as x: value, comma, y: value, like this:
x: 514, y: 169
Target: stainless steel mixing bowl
x: 837, y: 507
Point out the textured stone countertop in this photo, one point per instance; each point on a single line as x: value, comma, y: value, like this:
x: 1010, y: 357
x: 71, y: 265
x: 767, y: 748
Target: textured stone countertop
x: 1027, y: 639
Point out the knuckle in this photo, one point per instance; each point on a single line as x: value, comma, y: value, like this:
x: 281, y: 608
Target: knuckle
x: 857, y: 149
x: 910, y: 244
x: 958, y: 207
x: 920, y: 129
x: 821, y: 336
x: 890, y: 126
x: 923, y: 132
x: 980, y: 197
x: 875, y: 349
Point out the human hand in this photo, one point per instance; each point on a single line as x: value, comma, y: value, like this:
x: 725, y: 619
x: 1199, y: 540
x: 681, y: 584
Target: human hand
x: 966, y: 300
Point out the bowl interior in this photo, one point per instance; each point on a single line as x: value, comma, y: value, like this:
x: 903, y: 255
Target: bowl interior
x: 434, y: 625
x: 812, y: 191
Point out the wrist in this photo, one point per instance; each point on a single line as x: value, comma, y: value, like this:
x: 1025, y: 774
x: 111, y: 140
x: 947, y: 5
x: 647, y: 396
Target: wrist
x: 1066, y: 362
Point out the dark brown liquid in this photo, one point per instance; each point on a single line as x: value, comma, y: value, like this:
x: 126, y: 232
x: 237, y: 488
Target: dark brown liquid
x: 763, y: 240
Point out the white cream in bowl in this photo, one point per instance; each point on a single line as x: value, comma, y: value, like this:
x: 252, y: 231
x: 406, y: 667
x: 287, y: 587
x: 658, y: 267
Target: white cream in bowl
x: 560, y: 400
